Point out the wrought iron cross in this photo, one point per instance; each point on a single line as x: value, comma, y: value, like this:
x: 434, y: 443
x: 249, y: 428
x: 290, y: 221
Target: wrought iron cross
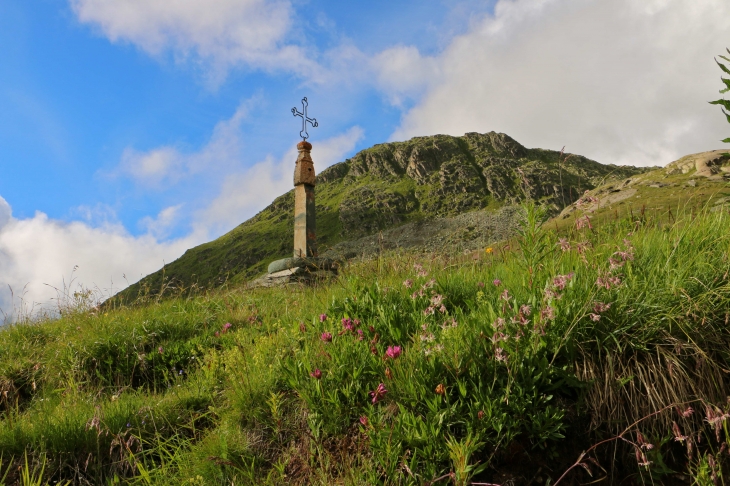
x: 305, y: 119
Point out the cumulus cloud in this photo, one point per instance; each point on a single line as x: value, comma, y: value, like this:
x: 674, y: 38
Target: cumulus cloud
x: 39, y: 255
x: 220, y: 32
x: 401, y: 72
x: 622, y: 82
x: 245, y: 193
x: 163, y: 166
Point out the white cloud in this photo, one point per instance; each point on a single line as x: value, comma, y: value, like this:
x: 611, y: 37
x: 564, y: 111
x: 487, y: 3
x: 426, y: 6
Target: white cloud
x: 39, y: 254
x: 402, y: 72
x: 220, y: 32
x: 5, y: 212
x: 160, y: 226
x: 167, y: 165
x: 621, y: 82
x: 245, y: 193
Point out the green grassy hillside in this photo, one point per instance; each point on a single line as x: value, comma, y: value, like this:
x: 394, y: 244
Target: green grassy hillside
x: 502, y: 366
x: 385, y: 187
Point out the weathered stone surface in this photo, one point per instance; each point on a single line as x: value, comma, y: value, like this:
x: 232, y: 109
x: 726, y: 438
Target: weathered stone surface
x: 293, y: 276
x: 370, y: 208
x: 312, y: 264
x: 305, y: 224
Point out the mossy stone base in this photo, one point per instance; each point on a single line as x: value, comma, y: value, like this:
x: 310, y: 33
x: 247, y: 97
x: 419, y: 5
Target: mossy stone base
x: 311, y: 264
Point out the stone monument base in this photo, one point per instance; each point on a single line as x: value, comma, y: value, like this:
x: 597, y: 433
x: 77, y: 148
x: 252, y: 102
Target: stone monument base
x: 303, y: 271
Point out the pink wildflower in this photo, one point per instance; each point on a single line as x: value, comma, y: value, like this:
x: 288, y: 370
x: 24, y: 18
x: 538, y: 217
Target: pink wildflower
x: 428, y: 311
x: 581, y: 223
x: 603, y: 282
x: 595, y: 317
x: 564, y: 244
x: 496, y: 282
x: 442, y: 309
x: 408, y: 283
x: 547, y: 313
x: 364, y: 421
x: 560, y: 281
x: 678, y: 436
x: 316, y: 374
x: 359, y: 335
x: 687, y: 412
x: 615, y: 281
x: 480, y: 285
x: 499, y: 355
x: 347, y: 323
x: 505, y: 295
x: 322, y: 317
x: 159, y: 349
x: 378, y: 393
x: 599, y: 307
x: 499, y: 323
x: 525, y: 310
x: 393, y: 352
x: 437, y: 299
x: 302, y: 327
x: 217, y: 334
x: 326, y: 337
x: 227, y: 326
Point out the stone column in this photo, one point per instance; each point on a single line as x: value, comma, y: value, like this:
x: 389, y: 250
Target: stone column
x: 305, y: 239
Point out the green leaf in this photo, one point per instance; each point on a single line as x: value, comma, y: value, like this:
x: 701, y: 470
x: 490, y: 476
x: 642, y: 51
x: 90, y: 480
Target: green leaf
x: 725, y: 103
x: 722, y: 66
x: 727, y: 140
x: 727, y: 83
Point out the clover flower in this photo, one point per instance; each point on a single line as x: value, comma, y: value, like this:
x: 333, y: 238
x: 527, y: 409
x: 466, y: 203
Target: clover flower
x: 496, y: 282
x: 364, y: 421
x: 326, y: 337
x: 317, y: 374
x: 408, y: 283
x: 227, y: 326
x: 347, y: 324
x: 378, y: 393
x: 322, y: 317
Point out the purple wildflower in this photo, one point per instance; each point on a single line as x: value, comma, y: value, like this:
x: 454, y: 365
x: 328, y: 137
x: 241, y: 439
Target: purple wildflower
x: 496, y: 282
x: 364, y: 421
x: 347, y: 324
x: 408, y: 283
x: 326, y: 337
x: 227, y: 326
x: 393, y: 352
x: 322, y: 317
x: 317, y: 374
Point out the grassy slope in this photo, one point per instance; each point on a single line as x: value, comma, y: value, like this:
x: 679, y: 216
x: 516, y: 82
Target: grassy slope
x: 167, y: 394
x: 377, y: 190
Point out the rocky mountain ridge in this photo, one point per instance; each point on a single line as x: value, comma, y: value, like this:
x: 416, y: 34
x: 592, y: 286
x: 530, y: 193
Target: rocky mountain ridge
x: 425, y: 182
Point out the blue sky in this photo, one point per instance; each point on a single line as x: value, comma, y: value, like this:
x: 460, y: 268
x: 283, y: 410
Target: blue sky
x: 132, y: 130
